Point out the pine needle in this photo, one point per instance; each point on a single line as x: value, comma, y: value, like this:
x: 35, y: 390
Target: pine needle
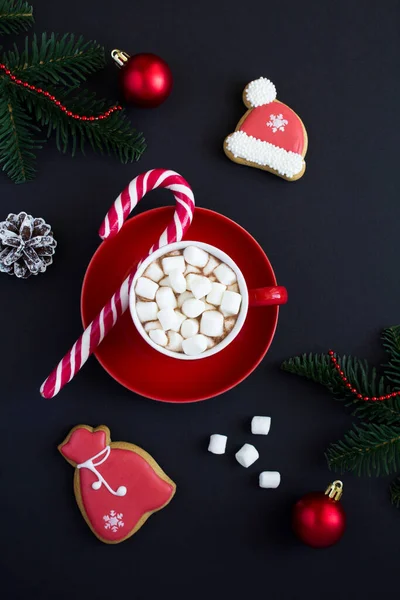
x: 15, y: 16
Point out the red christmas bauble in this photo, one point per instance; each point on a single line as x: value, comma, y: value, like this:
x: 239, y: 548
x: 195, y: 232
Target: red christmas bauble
x: 318, y: 518
x: 145, y: 79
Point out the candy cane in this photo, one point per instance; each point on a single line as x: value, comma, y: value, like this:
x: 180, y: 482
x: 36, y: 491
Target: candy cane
x: 94, y: 334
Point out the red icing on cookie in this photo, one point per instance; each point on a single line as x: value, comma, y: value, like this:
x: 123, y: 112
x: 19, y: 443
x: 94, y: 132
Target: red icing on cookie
x: 277, y: 124
x: 117, y: 486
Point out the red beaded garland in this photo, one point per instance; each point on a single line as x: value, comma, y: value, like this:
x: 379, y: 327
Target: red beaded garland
x: 353, y: 389
x: 54, y: 99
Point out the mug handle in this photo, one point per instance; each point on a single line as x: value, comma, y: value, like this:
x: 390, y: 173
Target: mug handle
x: 268, y: 296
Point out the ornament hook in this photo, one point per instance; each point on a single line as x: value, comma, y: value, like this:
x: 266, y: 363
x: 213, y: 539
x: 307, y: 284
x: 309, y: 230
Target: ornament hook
x: 120, y: 57
x: 335, y: 490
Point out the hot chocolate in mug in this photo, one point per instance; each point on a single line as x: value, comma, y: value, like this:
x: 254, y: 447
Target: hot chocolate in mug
x: 153, y: 311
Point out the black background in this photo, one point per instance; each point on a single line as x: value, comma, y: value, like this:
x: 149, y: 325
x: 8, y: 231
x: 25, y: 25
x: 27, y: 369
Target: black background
x: 332, y: 238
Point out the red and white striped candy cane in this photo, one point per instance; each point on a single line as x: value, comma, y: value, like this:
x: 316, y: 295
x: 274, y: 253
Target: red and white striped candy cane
x: 94, y: 334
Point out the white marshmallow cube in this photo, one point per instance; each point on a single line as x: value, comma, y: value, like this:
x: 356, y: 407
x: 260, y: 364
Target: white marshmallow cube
x: 233, y: 288
x: 165, y: 282
x: 230, y: 323
x: 260, y: 425
x: 217, y: 443
x: 217, y: 291
x: 195, y: 345
x: 210, y: 342
x: 154, y: 272
x: 183, y: 297
x: 200, y: 286
x: 230, y: 304
x: 159, y: 337
x: 195, y: 256
x: 247, y: 455
x: 171, y: 263
x: 178, y: 281
x: 212, y: 323
x: 224, y: 274
x: 269, y: 479
x: 168, y: 319
x: 189, y: 328
x: 146, y: 288
x: 179, y: 320
x: 146, y: 311
x: 152, y: 325
x: 192, y: 308
x: 174, y: 341
x: 165, y: 298
x: 211, y: 265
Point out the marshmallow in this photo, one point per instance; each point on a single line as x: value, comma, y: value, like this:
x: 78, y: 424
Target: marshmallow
x: 247, y: 455
x: 206, y: 305
x: 217, y: 291
x: 195, y: 256
x: 217, y: 443
x: 191, y: 269
x: 200, y: 286
x: 189, y: 328
x: 152, y: 325
x: 146, y: 311
x: 225, y: 274
x: 168, y: 319
x: 174, y: 341
x: 189, y: 280
x: 193, y: 308
x: 159, y: 337
x: 146, y: 288
x: 260, y: 425
x: 230, y: 304
x: 154, y: 272
x: 212, y: 323
x: 166, y: 282
x: 230, y: 323
x: 210, y: 266
x: 210, y: 342
x: 178, y: 282
x: 269, y: 479
x: 194, y: 345
x: 179, y: 320
x: 165, y: 298
x: 183, y: 297
x: 170, y: 263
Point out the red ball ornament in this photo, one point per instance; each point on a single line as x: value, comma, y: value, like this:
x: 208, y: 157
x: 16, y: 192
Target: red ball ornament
x: 145, y: 79
x: 318, y: 518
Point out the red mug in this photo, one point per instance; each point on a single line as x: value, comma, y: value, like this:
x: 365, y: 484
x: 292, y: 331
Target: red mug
x: 265, y: 296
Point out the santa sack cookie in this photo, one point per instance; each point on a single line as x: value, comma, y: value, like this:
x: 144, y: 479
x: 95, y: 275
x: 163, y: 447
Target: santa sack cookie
x: 270, y: 136
x: 117, y: 485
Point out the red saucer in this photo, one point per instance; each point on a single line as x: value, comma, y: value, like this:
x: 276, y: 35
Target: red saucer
x: 135, y: 364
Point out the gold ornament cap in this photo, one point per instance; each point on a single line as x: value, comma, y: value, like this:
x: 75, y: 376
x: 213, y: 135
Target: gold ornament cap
x: 335, y: 490
x: 120, y: 57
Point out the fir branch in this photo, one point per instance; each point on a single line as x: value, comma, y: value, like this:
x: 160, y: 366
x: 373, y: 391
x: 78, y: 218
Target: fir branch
x: 318, y: 368
x: 395, y: 492
x: 368, y: 449
x: 113, y: 135
x: 17, y: 141
x: 65, y: 61
x: 391, y: 343
x: 15, y: 16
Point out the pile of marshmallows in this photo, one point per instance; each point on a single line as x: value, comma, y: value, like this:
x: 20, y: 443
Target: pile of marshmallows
x: 188, y: 302
x: 247, y: 455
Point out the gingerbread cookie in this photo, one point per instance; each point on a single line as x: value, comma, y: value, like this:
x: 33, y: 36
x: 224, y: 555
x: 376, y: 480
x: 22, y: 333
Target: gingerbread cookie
x: 270, y: 136
x: 117, y: 485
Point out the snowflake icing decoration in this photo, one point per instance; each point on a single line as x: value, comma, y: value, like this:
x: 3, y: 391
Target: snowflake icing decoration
x: 113, y: 521
x: 277, y: 123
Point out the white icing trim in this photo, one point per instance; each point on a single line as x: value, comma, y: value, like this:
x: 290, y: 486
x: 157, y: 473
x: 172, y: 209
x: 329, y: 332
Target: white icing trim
x: 91, y: 465
x: 249, y: 148
x: 260, y: 91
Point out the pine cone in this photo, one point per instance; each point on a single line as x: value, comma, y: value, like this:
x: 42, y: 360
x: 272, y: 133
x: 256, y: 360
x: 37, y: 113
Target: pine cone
x: 26, y: 245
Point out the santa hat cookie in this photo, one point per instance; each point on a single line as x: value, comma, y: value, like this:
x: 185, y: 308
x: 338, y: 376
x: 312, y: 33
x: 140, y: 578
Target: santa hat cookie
x: 117, y: 484
x: 270, y: 136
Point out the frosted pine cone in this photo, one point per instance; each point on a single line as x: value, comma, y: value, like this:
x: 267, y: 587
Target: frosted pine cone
x: 26, y: 245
